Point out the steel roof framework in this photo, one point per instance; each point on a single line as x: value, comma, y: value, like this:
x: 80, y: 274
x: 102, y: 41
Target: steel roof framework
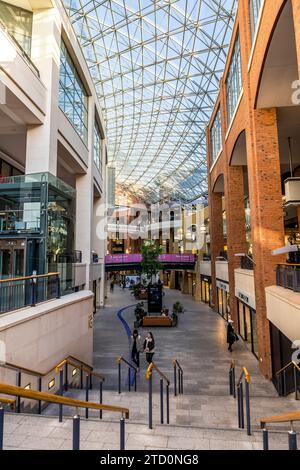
x: 156, y: 67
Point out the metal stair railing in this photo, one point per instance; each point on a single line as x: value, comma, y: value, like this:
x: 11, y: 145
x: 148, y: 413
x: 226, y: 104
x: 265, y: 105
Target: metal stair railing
x: 130, y: 367
x: 237, y: 389
x: 284, y: 418
x: 12, y: 390
x: 163, y: 378
x: 62, y: 368
x: 178, y: 371
x: 281, y: 377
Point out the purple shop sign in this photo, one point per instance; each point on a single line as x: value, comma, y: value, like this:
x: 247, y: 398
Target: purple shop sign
x: 137, y: 258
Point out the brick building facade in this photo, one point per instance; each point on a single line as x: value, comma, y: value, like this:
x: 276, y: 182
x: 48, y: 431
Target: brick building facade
x: 251, y: 162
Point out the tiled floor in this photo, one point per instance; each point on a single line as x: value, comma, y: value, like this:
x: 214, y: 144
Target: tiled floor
x: 205, y: 417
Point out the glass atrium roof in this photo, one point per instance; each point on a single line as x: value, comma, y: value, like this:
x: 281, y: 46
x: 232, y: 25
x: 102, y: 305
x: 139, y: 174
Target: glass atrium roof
x: 156, y: 66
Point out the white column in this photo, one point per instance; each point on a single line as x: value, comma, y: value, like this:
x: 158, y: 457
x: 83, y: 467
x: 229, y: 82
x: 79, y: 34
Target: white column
x: 100, y: 241
x: 84, y: 201
x: 41, y: 149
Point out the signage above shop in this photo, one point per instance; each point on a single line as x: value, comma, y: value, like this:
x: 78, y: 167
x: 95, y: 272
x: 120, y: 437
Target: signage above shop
x: 223, y: 285
x: 245, y: 298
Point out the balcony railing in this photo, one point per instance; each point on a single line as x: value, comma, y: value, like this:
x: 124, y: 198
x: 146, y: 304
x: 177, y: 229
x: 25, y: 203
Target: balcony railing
x: 247, y: 263
x: 28, y: 291
x: 288, y: 276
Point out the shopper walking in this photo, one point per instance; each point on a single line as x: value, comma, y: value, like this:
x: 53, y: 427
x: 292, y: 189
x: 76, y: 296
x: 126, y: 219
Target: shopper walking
x: 231, y: 336
x: 112, y: 286
x: 136, y: 347
x: 149, y: 345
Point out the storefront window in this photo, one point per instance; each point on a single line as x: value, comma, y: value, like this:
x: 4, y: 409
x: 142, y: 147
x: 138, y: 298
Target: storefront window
x: 18, y: 23
x: 205, y: 290
x: 248, y: 327
x: 73, y: 99
x: 216, y: 136
x: 242, y: 321
x: 254, y: 334
x: 234, y: 81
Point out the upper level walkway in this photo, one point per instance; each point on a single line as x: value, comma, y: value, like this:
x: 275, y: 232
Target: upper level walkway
x: 128, y: 262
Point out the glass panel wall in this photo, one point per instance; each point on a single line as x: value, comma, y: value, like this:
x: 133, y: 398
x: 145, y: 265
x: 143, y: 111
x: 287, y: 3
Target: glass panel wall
x: 97, y: 148
x: 254, y: 7
x: 18, y: 23
x: 216, y: 136
x: 73, y: 99
x: 234, y: 80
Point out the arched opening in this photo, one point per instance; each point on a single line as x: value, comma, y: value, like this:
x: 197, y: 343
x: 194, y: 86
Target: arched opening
x: 280, y: 68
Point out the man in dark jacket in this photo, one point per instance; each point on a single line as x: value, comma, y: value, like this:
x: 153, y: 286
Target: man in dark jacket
x: 230, y: 335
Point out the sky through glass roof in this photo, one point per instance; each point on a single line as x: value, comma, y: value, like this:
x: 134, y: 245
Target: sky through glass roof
x: 156, y: 66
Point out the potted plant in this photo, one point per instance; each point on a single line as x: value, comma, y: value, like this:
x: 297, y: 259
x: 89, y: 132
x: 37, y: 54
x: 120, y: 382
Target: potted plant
x: 139, y: 314
x: 177, y: 309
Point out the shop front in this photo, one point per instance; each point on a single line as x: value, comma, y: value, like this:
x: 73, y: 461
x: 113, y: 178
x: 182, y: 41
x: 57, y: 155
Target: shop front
x: 206, y: 289
x: 247, y: 326
x: 223, y: 299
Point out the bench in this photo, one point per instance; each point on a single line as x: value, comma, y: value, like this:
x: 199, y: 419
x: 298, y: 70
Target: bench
x: 157, y: 321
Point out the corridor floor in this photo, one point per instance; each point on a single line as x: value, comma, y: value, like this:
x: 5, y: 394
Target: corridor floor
x: 198, y: 342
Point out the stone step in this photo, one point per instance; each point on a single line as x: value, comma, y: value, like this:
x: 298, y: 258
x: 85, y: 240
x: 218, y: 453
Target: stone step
x: 44, y: 432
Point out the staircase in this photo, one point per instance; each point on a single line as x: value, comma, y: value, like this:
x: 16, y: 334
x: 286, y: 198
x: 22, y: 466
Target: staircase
x: 205, y: 421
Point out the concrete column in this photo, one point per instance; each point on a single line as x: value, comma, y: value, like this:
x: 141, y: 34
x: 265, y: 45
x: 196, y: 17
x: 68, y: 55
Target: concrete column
x: 99, y: 244
x: 85, y: 201
x: 236, y: 228
x: 266, y: 216
x: 217, y: 238
x: 41, y: 146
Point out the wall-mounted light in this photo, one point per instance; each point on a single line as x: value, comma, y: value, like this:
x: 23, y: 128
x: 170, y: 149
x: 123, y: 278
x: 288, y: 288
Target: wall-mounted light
x: 28, y: 387
x: 51, y: 384
x: 74, y: 372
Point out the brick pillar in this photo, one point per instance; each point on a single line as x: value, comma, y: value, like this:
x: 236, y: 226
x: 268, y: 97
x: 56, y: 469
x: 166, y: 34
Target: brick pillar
x: 217, y: 238
x: 198, y: 282
x: 236, y: 228
x: 266, y: 216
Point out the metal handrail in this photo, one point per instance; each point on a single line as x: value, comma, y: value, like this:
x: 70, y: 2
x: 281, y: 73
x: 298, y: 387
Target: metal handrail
x: 180, y: 378
x: 239, y: 387
x: 130, y: 367
x: 163, y: 377
x: 175, y: 362
x: 81, y: 367
x: 121, y: 359
x: 284, y: 418
x: 85, y: 367
x: 245, y: 374
x: 281, y: 381
x: 154, y: 366
x: 13, y: 390
x: 25, y: 278
x: 292, y: 363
